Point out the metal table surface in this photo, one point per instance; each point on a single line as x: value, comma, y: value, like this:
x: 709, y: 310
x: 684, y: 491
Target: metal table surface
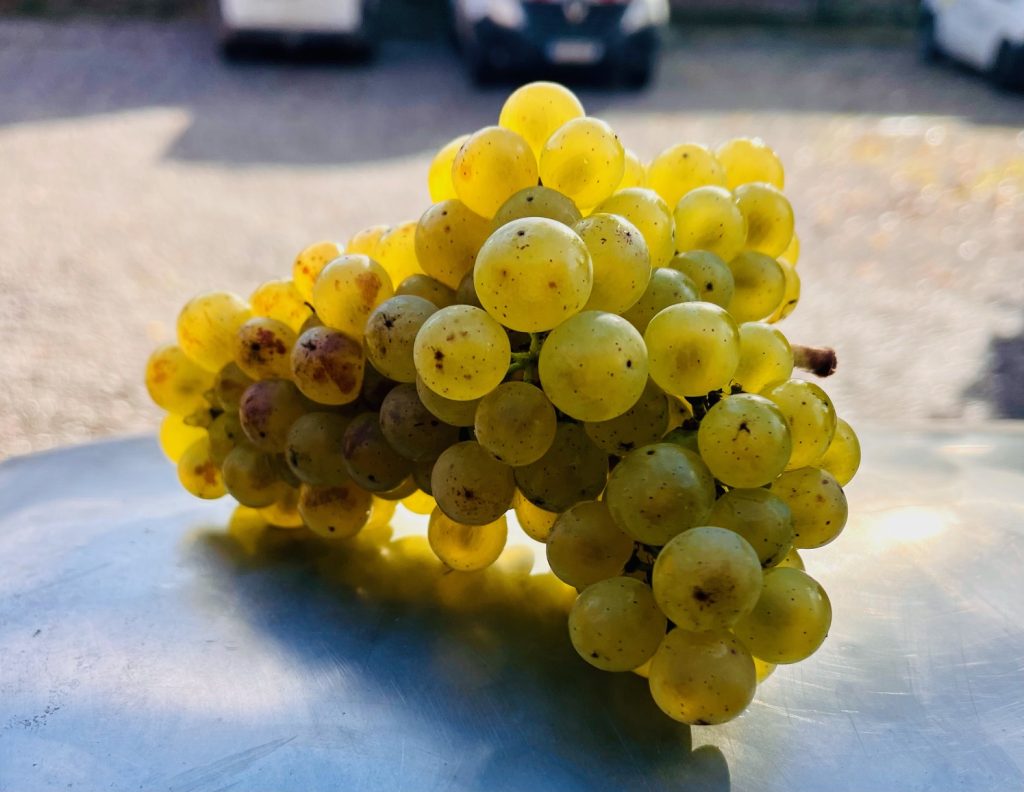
x: 142, y: 649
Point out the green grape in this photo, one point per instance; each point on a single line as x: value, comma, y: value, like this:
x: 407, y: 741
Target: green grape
x: 310, y: 323
x: 516, y: 423
x: 573, y: 469
x: 792, y: 559
x: 659, y: 490
x: 681, y: 168
x: 228, y: 386
x: 535, y: 522
x: 462, y: 353
x: 451, y: 411
x: 280, y: 300
x: 790, y: 294
x: 585, y: 545
x: 692, y: 348
x: 760, y: 517
x: 760, y: 286
x: 466, y: 547
x: 708, y: 219
x: 702, y: 678
x: 818, y: 505
x: 366, y: 241
x: 684, y: 438
x: 584, y: 160
x: 536, y: 110
x: 225, y: 433
x: 769, y: 217
x: 765, y: 357
x: 391, y: 335
x: 711, y: 276
x: 337, y: 511
x: 621, y: 263
x: 176, y: 436
x: 310, y: 263
x: 369, y: 459
x: 745, y: 441
x: 348, y: 290
x: 421, y: 474
x: 791, y: 618
x: 410, y: 428
x: 532, y: 274
x: 439, y: 176
x: 470, y: 485
x: 427, y: 288
x: 402, y: 491
x: 749, y: 160
x: 285, y: 473
x: 267, y: 410
x: 328, y: 366
x: 396, y: 251
x: 615, y: 624
x: 263, y: 348
x: 375, y: 387
x: 313, y: 451
x: 448, y: 237
x: 593, y: 366
x: 175, y: 383
x: 763, y: 669
x: 646, y: 210
x: 198, y: 473
x: 843, y: 455
x: 634, y: 173
x: 251, y: 477
x: 792, y: 253
x: 666, y: 287
x: 466, y: 293
x: 537, y: 201
x: 284, y: 512
x: 811, y: 418
x: 492, y: 165
x: 643, y: 423
x: 420, y: 502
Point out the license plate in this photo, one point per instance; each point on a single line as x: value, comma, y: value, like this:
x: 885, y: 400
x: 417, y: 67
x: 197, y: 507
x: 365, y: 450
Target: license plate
x: 575, y: 51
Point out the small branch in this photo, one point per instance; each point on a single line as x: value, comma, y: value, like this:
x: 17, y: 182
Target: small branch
x: 820, y: 361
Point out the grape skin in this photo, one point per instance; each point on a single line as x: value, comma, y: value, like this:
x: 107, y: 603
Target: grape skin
x: 585, y: 545
x: 268, y: 409
x: 451, y: 411
x: 439, y: 176
x: 615, y: 624
x: 710, y: 275
x: 391, y: 335
x: 348, y: 290
x: 410, y: 428
x: 313, y: 450
x: 175, y: 382
x: 573, y: 469
x: 681, y: 168
x: 251, y: 477
x: 765, y: 357
x: 536, y: 110
x: 461, y: 353
x: 367, y: 240
x: 448, y: 237
x: 338, y: 511
x: 470, y: 486
x: 228, y: 386
x: 584, y: 160
x: 535, y: 521
x: 621, y: 263
x: 643, y: 423
x: 176, y: 436
x: 516, y: 423
x: 328, y: 366
x: 427, y: 288
x: 284, y: 512
x: 842, y: 459
x: 263, y: 348
x: 492, y: 165
x: 634, y: 173
x: 646, y: 210
x: 818, y: 505
x: 198, y: 473
x: 760, y: 286
x: 745, y: 441
x: 791, y: 559
x: 666, y: 287
x: 225, y: 432
x: 537, y: 201
x: 811, y: 418
x: 708, y: 219
x: 396, y: 251
x: 369, y: 459
x: 760, y: 517
x: 466, y: 548
x: 749, y: 160
x: 310, y: 262
x: 769, y: 217
x: 280, y: 300
x: 693, y: 348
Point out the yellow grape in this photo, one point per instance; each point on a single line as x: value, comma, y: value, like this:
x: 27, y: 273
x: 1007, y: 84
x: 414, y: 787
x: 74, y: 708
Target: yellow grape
x: 439, y: 176
x: 843, y: 455
x: 760, y: 286
x: 466, y: 547
x: 381, y: 513
x: 328, y: 366
x: 461, y: 353
x: 585, y: 545
x: 535, y: 521
x: 492, y: 165
x: 573, y: 469
x: 268, y: 409
x: 765, y: 357
x: 769, y: 218
x: 313, y: 448
x: 537, y: 109
x: 410, y: 428
x: 391, y: 335
x: 247, y: 527
x: 207, y: 326
x: 310, y: 263
x: 516, y: 423
x: 225, y: 432
x: 284, y: 512
x: 692, y: 348
x: 792, y: 559
x: 745, y: 441
x: 470, y: 485
x: 335, y: 512
x: 707, y: 218
x: 763, y: 669
x: 643, y: 423
x: 448, y: 237
x: 348, y: 290
x: 419, y: 502
x: 538, y: 201
x: 615, y: 624
x: 621, y: 263
x: 792, y: 253
x: 251, y: 477
x: 681, y: 168
x: 176, y: 436
x: 645, y: 209
x: 366, y: 241
x: 811, y: 417
x: 263, y: 348
x: 710, y: 275
x: 584, y: 160
x: 370, y: 460
x: 760, y: 517
x: 280, y: 300
x: 749, y: 160
x: 428, y: 288
x: 228, y: 386
x: 198, y: 473
x: 790, y: 295
x: 452, y: 411
x: 175, y: 382
x: 665, y: 287
x: 634, y: 174
x: 396, y: 252
x: 791, y: 618
x: 818, y: 505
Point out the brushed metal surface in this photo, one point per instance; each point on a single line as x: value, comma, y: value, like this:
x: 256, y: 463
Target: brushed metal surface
x: 142, y: 649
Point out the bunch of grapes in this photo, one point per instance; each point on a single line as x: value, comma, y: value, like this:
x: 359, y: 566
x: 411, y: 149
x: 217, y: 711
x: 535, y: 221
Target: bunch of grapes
x: 570, y: 334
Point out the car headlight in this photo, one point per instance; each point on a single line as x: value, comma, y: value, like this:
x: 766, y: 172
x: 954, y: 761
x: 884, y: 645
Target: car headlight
x: 644, y: 13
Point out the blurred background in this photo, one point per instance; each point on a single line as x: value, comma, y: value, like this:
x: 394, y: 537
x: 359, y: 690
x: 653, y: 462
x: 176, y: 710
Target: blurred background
x: 152, y: 149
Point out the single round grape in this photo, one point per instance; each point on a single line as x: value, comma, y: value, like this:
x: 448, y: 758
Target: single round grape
x: 760, y: 517
x: 426, y: 288
x: 760, y: 286
x: 328, y: 366
x: 451, y: 411
x: 284, y: 512
x: 470, y: 485
x: 280, y: 300
x: 348, y: 290
x: 535, y: 522
x: 811, y: 418
x: 790, y: 294
x: 375, y: 387
x: 645, y: 209
x: 818, y: 505
x: 366, y: 241
x: 285, y: 473
x: 615, y: 624
x: 466, y: 547
x: 765, y: 357
x: 263, y: 348
x: 310, y: 263
x: 228, y: 386
x: 593, y: 366
x: 208, y: 325
x: 439, y: 176
x: 198, y: 473
x: 338, y: 511
x: 665, y: 287
x: 692, y: 348
x: 466, y: 293
x: 448, y: 237
x: 763, y: 669
x: 634, y: 173
x: 621, y: 263
x: 251, y: 477
x: 583, y: 159
x: 791, y: 255
x: 843, y: 455
x: 532, y: 274
x: 573, y: 469
x: 659, y: 490
x: 462, y: 353
x: 702, y: 678
x: 792, y: 559
x: 745, y: 441
x: 749, y: 160
x: 406, y: 488
x: 175, y: 382
x: 268, y: 409
x: 410, y: 428
x: 791, y: 618
x: 708, y: 219
x: 709, y: 273
x: 421, y: 474
x: 391, y: 335
x: 313, y: 450
x: 537, y: 201
x: 682, y: 168
x: 369, y: 459
x: 643, y: 423
x: 684, y: 438
x: 493, y: 164
x: 585, y: 545
x: 769, y: 217
x: 396, y: 251
x: 516, y: 423
x: 419, y: 502
x: 537, y: 109
x: 225, y: 433
x: 310, y: 323
x: 176, y: 436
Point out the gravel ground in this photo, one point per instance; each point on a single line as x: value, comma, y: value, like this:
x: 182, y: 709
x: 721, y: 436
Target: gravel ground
x: 137, y: 169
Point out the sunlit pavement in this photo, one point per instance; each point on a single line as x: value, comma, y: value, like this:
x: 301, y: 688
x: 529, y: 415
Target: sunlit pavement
x: 137, y: 169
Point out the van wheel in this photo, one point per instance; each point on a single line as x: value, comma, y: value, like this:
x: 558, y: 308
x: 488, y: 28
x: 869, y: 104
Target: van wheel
x: 927, y: 46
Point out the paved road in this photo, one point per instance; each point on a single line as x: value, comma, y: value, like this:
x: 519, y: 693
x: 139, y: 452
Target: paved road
x: 136, y: 169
